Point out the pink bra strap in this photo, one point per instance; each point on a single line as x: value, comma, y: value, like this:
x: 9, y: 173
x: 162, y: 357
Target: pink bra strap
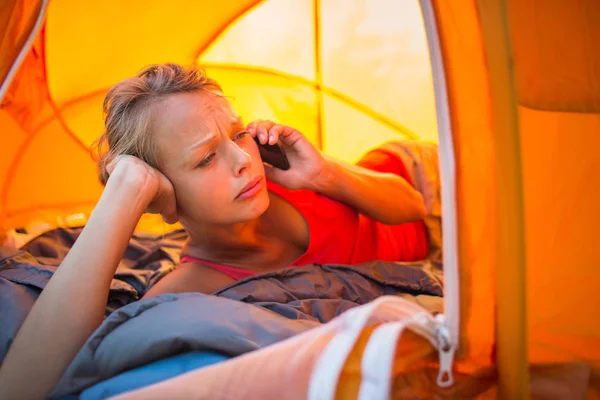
x: 233, y: 272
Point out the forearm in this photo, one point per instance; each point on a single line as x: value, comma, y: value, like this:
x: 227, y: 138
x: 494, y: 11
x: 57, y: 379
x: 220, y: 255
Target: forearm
x: 385, y: 197
x: 72, y: 304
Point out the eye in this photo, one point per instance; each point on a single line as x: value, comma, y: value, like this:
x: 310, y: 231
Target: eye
x: 207, y: 160
x: 240, y: 135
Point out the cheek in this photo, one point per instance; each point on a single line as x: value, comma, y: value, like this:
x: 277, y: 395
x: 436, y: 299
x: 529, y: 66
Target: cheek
x: 203, y: 193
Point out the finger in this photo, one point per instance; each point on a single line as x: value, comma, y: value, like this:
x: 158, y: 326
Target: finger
x: 251, y: 128
x: 262, y: 136
x: 289, y: 136
x: 274, y: 133
x: 263, y: 131
x: 166, y: 207
x: 169, y: 207
x: 170, y: 215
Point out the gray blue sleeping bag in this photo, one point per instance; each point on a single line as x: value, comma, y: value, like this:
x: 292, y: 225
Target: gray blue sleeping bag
x: 143, y: 341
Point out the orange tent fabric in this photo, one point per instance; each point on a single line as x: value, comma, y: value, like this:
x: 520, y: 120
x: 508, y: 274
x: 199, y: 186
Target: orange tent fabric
x: 509, y: 88
x: 277, y: 72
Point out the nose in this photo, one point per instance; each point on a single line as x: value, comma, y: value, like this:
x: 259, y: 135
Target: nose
x: 240, y: 159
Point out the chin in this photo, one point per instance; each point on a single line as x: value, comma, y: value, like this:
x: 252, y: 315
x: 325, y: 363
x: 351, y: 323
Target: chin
x: 259, y: 205
x: 251, y: 210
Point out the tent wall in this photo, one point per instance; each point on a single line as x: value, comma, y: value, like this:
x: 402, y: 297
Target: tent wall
x: 17, y: 21
x: 558, y: 126
x: 51, y: 113
x: 30, y: 126
x: 557, y: 68
x: 334, y: 71
x: 544, y: 318
x: 470, y: 110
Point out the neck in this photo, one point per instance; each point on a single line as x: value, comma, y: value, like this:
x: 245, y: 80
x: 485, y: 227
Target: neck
x: 225, y: 243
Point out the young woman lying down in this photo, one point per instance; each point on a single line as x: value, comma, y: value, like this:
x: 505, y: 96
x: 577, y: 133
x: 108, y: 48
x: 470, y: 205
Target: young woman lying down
x: 175, y: 146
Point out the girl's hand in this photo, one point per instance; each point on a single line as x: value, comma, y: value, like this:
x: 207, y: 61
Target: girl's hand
x: 153, y: 187
x: 307, y: 164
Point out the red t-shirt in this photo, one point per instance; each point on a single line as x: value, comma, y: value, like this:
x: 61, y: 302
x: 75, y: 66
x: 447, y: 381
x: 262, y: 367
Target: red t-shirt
x: 340, y: 235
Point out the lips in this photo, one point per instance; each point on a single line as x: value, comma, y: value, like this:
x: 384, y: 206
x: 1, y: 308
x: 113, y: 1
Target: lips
x: 251, y: 189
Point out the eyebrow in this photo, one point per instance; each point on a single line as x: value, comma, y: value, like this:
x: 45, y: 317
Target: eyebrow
x: 203, y: 142
x: 237, y: 121
x: 210, y: 137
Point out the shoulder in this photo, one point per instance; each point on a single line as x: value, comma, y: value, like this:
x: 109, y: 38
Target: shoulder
x: 300, y: 198
x: 190, y: 277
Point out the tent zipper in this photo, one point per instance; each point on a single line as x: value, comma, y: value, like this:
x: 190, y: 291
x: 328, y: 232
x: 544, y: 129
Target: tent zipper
x: 446, y: 352
x: 448, y: 331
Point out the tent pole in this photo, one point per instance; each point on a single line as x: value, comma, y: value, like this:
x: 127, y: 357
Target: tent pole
x: 318, y: 73
x: 511, y: 301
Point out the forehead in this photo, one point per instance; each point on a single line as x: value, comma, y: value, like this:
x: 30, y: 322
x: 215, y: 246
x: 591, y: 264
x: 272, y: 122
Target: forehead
x: 184, y: 118
x: 182, y: 113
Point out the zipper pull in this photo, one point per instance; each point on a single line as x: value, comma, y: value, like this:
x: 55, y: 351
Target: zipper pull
x: 446, y: 352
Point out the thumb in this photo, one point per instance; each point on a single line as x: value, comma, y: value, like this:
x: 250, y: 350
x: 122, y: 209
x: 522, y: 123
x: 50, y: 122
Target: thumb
x: 169, y: 213
x: 169, y: 207
x: 273, y: 174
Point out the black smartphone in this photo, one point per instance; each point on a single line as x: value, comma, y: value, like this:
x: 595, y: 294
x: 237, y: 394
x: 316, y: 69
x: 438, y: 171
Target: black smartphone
x: 273, y: 155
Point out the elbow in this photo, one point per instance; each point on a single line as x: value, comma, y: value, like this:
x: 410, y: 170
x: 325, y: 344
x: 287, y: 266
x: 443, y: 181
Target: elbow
x: 411, y: 211
x: 420, y: 211
x: 416, y: 212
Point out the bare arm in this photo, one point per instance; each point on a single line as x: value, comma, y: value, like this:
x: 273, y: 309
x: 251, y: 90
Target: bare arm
x: 385, y: 197
x: 72, y: 304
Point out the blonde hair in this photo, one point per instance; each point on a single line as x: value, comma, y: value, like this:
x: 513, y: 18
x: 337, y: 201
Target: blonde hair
x: 128, y: 105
